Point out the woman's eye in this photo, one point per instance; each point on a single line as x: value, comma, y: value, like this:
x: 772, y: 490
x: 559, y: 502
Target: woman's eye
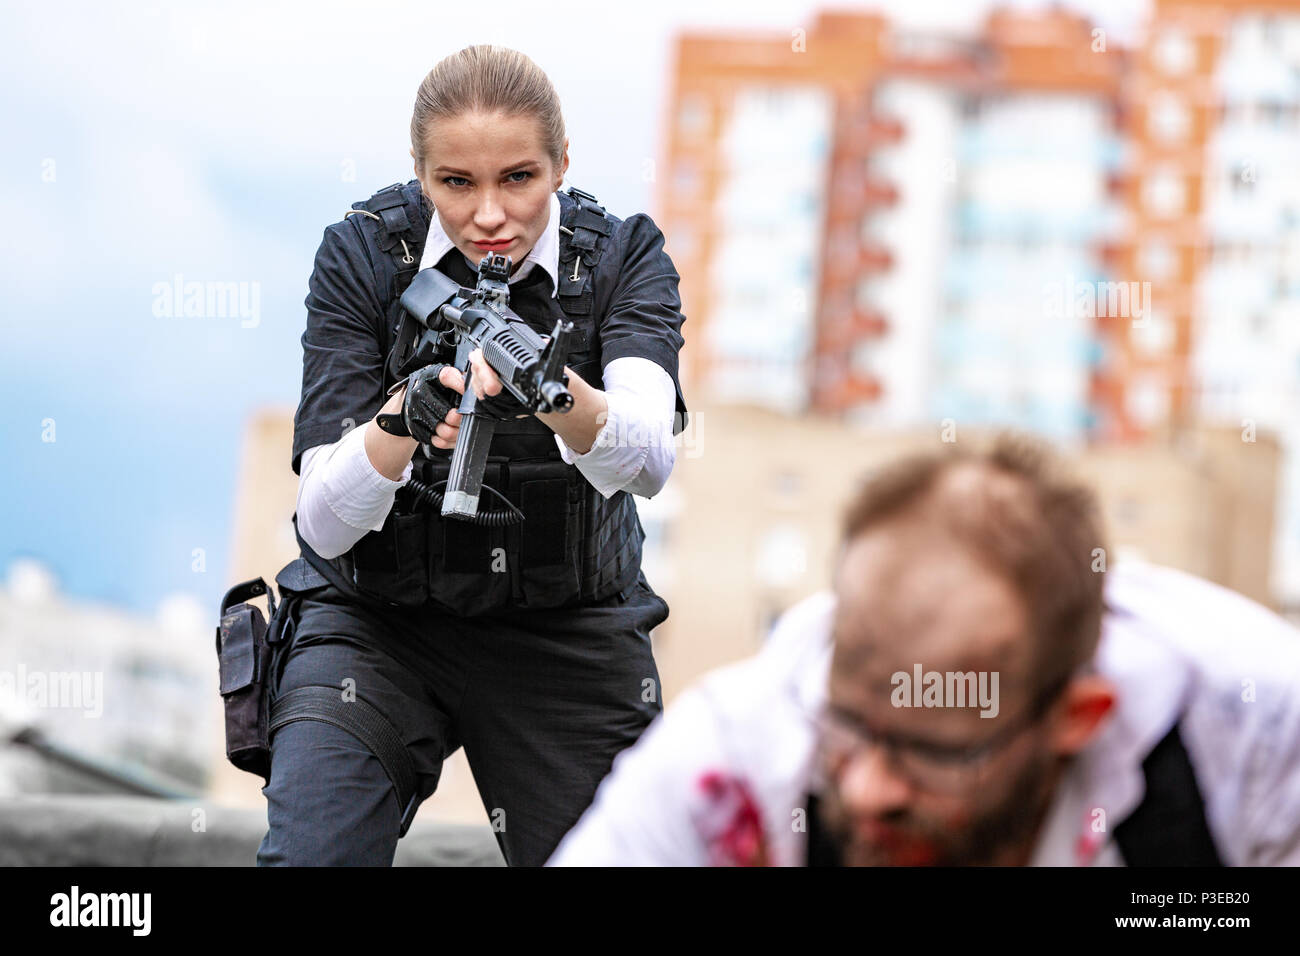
x: 523, y: 172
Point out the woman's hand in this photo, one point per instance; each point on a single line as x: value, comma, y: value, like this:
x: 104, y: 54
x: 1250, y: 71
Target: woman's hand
x: 445, y: 433
x: 578, y: 427
x: 494, y: 400
x: 389, y: 453
x: 485, y: 381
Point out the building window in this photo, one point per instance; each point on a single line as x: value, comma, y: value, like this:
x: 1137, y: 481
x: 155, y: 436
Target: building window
x: 693, y: 115
x: 1164, y: 194
x: 1158, y: 261
x: 686, y: 178
x: 1174, y: 52
x: 1154, y: 334
x: 1168, y: 118
x: 682, y: 241
x: 1148, y: 401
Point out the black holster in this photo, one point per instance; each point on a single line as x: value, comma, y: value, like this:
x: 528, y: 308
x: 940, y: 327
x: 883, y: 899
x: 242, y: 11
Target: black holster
x: 248, y: 651
x: 244, y: 656
x: 252, y: 652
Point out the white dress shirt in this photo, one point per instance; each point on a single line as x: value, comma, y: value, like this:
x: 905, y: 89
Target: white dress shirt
x: 341, y: 496
x: 1179, y: 650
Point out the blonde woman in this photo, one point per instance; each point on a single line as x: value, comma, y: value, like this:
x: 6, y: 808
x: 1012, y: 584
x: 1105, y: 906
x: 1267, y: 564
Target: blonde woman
x: 407, y: 635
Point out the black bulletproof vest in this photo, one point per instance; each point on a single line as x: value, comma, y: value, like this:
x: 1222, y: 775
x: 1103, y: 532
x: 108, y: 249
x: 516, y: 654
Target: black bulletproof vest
x: 574, y: 546
x: 1167, y: 828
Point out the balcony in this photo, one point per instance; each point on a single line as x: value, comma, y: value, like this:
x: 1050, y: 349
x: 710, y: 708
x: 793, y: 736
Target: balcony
x: 848, y: 259
x: 840, y: 333
x: 849, y: 390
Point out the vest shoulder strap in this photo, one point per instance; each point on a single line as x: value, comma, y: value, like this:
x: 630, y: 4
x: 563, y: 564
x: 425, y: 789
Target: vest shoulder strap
x: 584, y: 227
x: 402, y: 220
x: 395, y: 222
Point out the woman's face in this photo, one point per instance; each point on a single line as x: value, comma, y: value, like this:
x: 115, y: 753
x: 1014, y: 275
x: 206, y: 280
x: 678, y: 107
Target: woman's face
x: 489, y: 178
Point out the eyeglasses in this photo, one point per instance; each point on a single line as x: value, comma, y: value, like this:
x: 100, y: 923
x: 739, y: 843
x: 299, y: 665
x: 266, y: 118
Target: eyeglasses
x: 928, y: 766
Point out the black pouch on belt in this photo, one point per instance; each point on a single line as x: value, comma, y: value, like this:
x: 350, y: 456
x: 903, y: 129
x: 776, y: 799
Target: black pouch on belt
x: 244, y: 655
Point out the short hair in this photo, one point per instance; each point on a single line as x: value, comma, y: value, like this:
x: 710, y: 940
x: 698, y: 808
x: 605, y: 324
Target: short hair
x: 1013, y: 507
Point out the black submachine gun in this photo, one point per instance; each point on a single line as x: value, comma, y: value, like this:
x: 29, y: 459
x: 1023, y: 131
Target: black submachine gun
x: 530, y: 367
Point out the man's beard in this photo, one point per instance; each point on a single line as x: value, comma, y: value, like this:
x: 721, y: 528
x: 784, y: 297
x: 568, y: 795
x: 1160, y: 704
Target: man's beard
x: 977, y: 841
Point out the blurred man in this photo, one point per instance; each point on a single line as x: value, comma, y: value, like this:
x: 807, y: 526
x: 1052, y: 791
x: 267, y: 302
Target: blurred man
x: 979, y: 689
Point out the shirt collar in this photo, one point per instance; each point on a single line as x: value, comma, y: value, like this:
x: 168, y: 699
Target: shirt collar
x: 545, y: 252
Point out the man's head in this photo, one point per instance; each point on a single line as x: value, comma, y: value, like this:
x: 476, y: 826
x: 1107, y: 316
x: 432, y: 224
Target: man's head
x: 487, y: 138
x: 968, y: 609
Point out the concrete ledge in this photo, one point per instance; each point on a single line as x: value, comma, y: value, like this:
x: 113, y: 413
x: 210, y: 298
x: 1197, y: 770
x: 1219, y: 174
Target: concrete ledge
x: 82, y: 830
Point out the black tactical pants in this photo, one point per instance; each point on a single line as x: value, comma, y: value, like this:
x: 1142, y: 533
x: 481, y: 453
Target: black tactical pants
x: 542, y: 702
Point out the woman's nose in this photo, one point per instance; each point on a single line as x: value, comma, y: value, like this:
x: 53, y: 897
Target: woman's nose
x: 490, y: 212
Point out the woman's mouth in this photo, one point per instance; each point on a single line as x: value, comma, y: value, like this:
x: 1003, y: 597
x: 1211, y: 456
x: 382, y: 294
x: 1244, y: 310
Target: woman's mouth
x: 494, y: 246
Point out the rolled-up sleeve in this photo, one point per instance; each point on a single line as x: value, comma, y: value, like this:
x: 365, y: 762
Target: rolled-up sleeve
x: 343, y: 363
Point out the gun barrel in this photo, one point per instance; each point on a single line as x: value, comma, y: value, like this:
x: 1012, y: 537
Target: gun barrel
x: 559, y: 398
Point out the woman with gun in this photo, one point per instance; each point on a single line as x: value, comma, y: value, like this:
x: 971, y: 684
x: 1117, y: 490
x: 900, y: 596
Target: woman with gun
x: 520, y: 631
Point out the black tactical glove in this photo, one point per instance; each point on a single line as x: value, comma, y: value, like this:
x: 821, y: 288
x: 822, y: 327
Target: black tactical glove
x: 425, y: 405
x: 501, y: 406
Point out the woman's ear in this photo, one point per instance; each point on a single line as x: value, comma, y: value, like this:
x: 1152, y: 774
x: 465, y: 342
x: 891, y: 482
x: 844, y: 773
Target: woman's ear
x: 418, y: 175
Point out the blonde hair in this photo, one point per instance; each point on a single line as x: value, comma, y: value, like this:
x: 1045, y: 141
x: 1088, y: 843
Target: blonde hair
x: 488, y: 79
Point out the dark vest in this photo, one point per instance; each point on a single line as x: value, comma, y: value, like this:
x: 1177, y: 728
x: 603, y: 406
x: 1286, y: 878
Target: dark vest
x: 573, y: 547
